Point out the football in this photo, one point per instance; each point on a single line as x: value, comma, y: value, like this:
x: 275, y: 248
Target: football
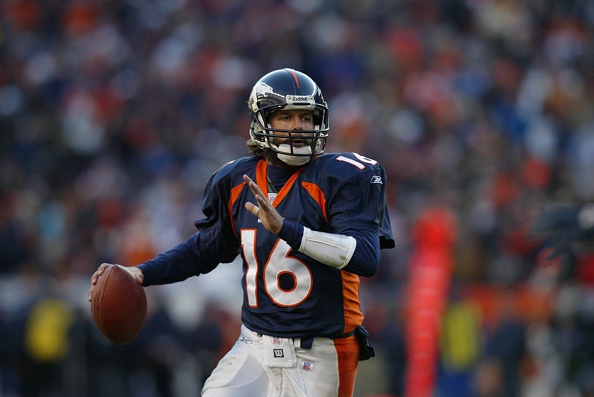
x: 118, y: 305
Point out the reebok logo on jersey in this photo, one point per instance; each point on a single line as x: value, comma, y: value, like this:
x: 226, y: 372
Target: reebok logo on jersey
x: 278, y: 353
x: 377, y: 179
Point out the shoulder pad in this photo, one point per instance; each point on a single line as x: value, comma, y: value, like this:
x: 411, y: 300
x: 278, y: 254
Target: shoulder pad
x: 349, y: 164
x: 240, y: 165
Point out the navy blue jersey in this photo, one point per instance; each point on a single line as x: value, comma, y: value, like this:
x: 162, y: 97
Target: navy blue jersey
x: 287, y: 293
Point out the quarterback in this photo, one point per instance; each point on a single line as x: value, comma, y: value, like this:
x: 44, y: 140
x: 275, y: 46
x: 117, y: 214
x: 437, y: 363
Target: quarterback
x: 307, y: 225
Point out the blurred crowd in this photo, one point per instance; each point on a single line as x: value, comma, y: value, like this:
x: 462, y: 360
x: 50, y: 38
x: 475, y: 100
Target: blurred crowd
x: 113, y: 114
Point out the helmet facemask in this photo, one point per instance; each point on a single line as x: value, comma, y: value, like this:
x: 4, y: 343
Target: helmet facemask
x: 315, y: 140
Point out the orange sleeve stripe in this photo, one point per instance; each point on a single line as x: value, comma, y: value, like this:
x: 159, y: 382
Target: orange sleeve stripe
x: 234, y: 195
x: 316, y: 193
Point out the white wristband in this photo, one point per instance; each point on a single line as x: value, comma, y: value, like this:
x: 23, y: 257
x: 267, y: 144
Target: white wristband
x: 333, y: 250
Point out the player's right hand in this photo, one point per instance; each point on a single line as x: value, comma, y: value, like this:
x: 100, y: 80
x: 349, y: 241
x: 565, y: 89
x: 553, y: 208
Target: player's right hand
x: 269, y: 216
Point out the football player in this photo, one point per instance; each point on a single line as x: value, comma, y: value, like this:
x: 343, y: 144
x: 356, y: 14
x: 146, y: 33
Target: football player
x: 307, y: 225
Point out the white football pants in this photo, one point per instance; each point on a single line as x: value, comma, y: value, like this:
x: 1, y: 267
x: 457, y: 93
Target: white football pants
x: 263, y: 366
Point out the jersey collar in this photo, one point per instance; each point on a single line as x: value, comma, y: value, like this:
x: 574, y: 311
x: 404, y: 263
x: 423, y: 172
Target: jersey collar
x: 262, y: 181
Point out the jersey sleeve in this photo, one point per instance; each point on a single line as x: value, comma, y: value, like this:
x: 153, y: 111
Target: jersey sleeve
x: 177, y: 264
x: 365, y: 259
x: 214, y: 243
x: 216, y: 229
x: 358, y: 201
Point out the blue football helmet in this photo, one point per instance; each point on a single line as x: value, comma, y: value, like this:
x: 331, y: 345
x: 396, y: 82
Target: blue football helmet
x: 291, y: 90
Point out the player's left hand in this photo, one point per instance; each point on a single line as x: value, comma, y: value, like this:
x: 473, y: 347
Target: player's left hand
x: 269, y: 216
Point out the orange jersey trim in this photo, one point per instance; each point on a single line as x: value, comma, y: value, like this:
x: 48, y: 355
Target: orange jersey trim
x: 234, y: 195
x: 316, y: 193
x: 353, y: 317
x: 262, y: 182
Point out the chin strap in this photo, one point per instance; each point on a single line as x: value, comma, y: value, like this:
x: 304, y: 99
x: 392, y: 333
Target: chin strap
x: 284, y: 155
x: 334, y: 250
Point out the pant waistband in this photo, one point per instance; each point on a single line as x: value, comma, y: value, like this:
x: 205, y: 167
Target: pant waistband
x: 307, y: 343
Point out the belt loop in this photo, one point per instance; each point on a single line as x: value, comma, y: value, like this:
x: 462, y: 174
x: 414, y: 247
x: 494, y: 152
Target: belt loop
x: 306, y: 343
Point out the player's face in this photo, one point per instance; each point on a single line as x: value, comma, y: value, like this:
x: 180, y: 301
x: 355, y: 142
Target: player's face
x: 293, y: 120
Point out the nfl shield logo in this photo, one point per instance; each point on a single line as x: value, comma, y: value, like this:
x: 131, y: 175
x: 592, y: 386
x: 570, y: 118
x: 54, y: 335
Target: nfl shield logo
x: 307, y: 366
